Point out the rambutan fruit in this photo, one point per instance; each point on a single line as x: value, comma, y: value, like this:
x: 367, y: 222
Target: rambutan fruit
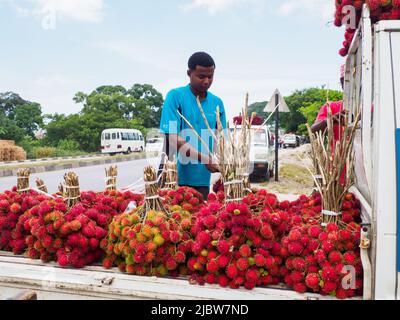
x: 329, y: 287
x: 259, y: 260
x: 231, y: 271
x: 212, y: 266
x: 245, y: 251
x: 252, y: 275
x: 47, y: 241
x: 299, y: 264
x: 312, y: 281
x: 295, y: 248
x: 15, y: 208
x: 296, y: 276
x: 295, y: 235
x: 329, y: 274
x: 266, y: 231
x: 175, y: 236
x: 58, y: 243
x: 327, y: 246
x: 299, y: 287
x: 210, y: 278
x: 88, y: 231
x: 63, y: 260
x: 203, y: 238
x: 93, y: 243
x: 223, y: 280
x: 242, y: 264
x: 222, y: 261
x: 179, y: 257
x: 335, y: 257
x: 75, y: 225
x: 350, y: 258
x: 331, y: 227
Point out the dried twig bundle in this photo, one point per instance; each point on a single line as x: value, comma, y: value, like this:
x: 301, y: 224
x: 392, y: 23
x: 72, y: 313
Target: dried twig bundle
x: 335, y: 163
x: 152, y: 199
x: 40, y: 185
x: 72, y: 190
x: 23, y: 180
x: 233, y: 153
x: 111, y: 178
x: 171, y: 175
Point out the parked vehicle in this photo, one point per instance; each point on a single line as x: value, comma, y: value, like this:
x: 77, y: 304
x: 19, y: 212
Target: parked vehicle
x: 115, y: 141
x: 290, y: 140
x: 261, y: 153
x: 155, y: 145
x: 372, y: 84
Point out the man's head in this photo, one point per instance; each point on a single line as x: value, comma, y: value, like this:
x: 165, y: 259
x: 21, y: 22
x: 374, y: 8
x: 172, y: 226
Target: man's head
x: 201, y: 71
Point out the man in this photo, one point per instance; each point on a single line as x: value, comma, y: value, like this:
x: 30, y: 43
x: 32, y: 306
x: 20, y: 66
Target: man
x: 337, y: 111
x: 338, y: 114
x: 195, y: 165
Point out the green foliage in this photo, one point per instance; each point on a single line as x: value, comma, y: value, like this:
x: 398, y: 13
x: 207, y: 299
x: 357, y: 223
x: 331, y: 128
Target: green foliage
x: 18, y: 117
x: 68, y: 145
x: 44, y: 152
x: 106, y: 107
x: 304, y: 106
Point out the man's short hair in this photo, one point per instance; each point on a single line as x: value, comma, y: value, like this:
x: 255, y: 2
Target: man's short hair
x: 200, y: 59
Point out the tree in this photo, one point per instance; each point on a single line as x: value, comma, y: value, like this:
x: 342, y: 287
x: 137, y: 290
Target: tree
x: 19, y: 117
x: 303, y: 105
x: 29, y: 117
x: 8, y: 101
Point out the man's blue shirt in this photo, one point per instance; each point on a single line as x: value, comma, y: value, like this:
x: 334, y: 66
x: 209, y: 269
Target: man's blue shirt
x: 189, y: 171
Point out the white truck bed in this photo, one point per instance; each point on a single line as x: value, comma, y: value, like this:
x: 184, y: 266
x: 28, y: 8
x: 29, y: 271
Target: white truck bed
x: 50, y: 281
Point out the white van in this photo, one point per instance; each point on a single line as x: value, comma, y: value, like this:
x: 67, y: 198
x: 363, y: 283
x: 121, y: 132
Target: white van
x: 121, y: 141
x: 261, y: 153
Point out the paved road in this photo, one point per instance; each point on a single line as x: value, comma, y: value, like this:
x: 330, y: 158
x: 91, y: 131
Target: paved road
x: 90, y: 178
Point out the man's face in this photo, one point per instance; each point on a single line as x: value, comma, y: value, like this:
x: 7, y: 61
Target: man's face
x: 201, y: 78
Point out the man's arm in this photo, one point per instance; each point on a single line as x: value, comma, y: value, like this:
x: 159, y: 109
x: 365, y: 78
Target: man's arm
x: 322, y: 124
x: 319, y: 126
x: 176, y: 143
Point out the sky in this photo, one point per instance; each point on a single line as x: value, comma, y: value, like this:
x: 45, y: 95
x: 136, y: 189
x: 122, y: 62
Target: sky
x: 51, y: 49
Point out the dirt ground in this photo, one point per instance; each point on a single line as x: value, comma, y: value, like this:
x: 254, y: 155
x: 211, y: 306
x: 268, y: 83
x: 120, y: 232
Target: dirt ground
x: 294, y: 177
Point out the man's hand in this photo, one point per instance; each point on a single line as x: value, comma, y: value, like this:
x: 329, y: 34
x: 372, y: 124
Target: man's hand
x: 339, y: 117
x: 212, y: 167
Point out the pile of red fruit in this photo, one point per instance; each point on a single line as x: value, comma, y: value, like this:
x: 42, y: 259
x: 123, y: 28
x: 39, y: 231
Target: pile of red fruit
x: 319, y: 259
x: 40, y: 228
x: 234, y: 248
x: 185, y: 197
x: 157, y: 246
x: 380, y: 10
x: 51, y: 232
x: 12, y: 206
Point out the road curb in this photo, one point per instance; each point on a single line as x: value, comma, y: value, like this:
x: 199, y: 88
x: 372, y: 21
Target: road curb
x: 74, y: 165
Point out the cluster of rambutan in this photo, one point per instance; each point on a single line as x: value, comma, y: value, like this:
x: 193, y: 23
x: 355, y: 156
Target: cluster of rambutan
x: 82, y: 230
x: 380, y: 10
x: 12, y: 206
x: 157, y: 246
x: 39, y: 227
x: 233, y: 247
x: 122, y: 199
x: 188, y: 198
x: 318, y: 259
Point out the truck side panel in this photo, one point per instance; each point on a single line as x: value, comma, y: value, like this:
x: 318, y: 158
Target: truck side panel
x: 385, y: 188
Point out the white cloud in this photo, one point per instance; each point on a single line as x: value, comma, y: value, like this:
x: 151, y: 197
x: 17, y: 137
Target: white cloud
x: 218, y: 6
x: 322, y: 8
x: 80, y: 10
